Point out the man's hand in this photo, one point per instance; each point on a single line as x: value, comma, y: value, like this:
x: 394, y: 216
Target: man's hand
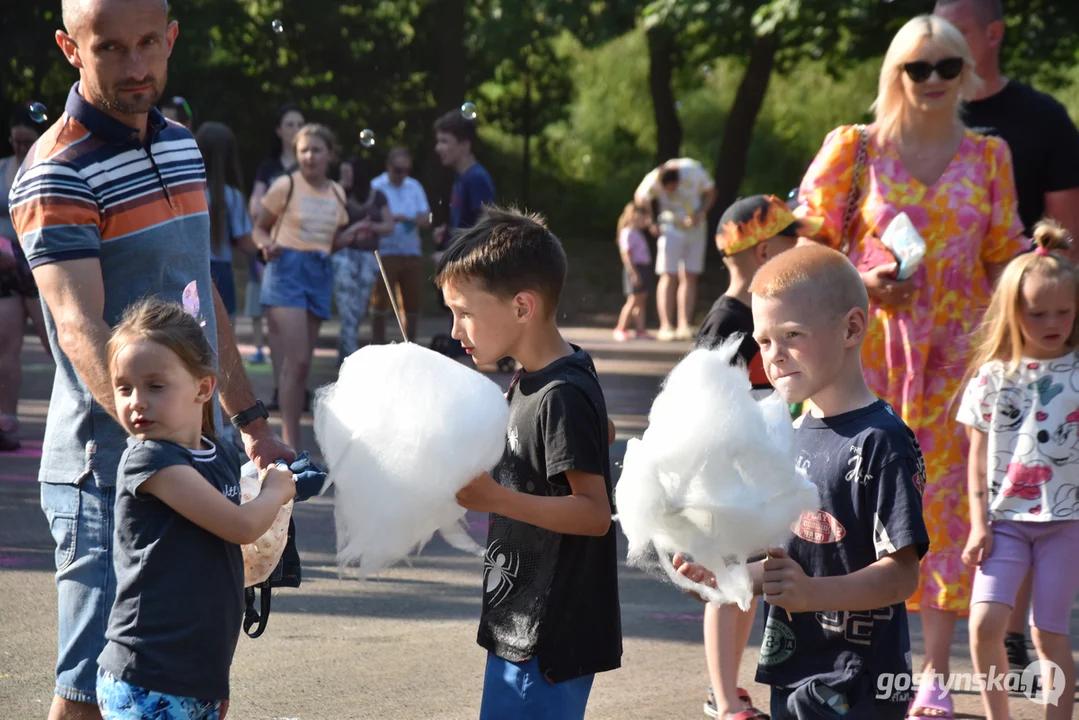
x: 785, y: 583
x: 694, y: 572
x: 264, y: 447
x: 691, y: 221
x: 882, y: 286
x: 481, y: 495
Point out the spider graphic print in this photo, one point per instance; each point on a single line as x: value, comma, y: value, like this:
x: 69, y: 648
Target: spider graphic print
x: 500, y: 570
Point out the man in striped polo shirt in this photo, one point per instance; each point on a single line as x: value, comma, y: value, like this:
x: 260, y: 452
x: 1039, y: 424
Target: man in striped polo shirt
x: 110, y: 207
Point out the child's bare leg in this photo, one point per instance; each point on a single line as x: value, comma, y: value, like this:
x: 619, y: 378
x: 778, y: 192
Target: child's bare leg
x: 726, y: 632
x: 627, y: 310
x: 988, y: 623
x: 640, y: 311
x: 1056, y: 648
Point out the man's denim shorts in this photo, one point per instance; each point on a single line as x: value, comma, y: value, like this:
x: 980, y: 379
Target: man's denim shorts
x: 81, y: 520
x: 300, y: 280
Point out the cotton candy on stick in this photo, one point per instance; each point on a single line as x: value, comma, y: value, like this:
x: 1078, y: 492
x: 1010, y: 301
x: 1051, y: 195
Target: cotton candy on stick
x: 713, y: 477
x: 403, y: 430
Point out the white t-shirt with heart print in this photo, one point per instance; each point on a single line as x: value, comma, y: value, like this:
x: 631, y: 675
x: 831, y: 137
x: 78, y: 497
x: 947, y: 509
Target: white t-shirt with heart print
x: 1031, y: 417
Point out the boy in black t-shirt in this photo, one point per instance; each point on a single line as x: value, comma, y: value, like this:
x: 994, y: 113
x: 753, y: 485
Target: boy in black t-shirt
x: 752, y: 231
x: 550, y: 617
x: 836, y: 640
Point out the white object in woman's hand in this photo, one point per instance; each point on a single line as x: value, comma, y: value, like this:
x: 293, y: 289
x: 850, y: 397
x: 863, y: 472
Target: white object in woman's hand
x: 882, y: 286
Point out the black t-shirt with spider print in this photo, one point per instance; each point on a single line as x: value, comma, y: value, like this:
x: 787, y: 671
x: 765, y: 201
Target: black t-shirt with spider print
x: 545, y: 594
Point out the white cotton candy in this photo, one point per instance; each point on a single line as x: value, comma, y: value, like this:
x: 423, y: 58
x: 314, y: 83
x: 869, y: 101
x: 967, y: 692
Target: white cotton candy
x: 713, y: 477
x: 402, y: 431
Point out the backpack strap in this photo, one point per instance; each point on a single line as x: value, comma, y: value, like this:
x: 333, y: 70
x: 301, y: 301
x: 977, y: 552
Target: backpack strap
x: 281, y: 216
x: 254, y: 618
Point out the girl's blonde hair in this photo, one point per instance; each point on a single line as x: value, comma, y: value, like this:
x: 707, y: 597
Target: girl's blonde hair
x: 169, y: 325
x: 626, y: 218
x: 890, y: 106
x: 320, y: 131
x: 999, y: 337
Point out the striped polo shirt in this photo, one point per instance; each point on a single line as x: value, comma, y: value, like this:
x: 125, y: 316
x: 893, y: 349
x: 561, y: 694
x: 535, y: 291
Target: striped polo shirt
x: 90, y: 189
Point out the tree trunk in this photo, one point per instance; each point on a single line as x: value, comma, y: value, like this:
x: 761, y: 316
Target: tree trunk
x: 730, y: 166
x: 661, y: 64
x: 449, y: 93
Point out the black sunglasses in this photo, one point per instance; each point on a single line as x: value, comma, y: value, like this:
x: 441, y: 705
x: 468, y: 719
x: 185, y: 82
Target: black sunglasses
x: 921, y: 70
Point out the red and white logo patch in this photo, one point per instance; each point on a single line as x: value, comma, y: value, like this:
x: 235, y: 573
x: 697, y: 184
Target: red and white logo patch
x: 819, y: 527
x: 919, y: 482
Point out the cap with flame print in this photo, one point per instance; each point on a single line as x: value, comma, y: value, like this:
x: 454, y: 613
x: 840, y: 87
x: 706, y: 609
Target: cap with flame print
x: 752, y: 220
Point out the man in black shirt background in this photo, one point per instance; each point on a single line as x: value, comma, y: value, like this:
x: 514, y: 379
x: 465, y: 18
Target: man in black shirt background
x: 1045, y: 154
x: 1042, y: 137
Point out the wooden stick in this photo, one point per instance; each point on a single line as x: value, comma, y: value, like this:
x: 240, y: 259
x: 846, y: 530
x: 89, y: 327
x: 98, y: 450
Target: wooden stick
x: 784, y: 609
x: 392, y: 296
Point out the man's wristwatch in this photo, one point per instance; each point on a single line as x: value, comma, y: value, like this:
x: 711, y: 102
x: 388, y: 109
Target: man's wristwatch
x: 250, y: 415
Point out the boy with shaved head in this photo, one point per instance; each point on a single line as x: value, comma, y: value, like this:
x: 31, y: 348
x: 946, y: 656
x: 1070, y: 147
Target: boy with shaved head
x: 836, y: 636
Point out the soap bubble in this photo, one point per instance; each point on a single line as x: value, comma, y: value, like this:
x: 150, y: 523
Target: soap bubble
x: 367, y: 138
x: 469, y: 111
x: 38, y: 113
x: 278, y: 26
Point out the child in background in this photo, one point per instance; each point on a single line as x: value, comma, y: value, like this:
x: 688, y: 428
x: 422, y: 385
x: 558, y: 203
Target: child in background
x: 636, y: 271
x: 179, y: 571
x: 550, y: 618
x: 229, y: 222
x: 836, y: 635
x: 752, y: 231
x: 1020, y: 407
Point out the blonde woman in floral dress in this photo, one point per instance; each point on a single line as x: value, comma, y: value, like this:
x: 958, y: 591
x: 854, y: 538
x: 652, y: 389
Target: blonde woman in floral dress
x: 957, y: 188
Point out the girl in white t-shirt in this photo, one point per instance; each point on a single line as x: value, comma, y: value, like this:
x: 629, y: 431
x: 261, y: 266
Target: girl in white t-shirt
x: 1022, y: 410
x: 636, y: 271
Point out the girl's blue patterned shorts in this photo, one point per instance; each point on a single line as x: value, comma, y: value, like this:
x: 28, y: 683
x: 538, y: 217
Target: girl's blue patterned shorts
x: 119, y: 700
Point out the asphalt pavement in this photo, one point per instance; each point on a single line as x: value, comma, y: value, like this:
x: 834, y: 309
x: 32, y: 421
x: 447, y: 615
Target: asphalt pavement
x: 401, y: 645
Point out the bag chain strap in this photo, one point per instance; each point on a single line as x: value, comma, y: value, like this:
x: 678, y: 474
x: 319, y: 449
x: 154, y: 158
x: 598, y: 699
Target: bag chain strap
x: 854, y: 200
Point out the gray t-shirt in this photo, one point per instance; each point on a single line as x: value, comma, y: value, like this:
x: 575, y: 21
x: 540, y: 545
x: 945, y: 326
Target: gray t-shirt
x: 179, y: 588
x: 91, y: 189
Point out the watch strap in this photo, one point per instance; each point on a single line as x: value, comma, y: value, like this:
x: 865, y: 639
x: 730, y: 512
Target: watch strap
x: 250, y: 415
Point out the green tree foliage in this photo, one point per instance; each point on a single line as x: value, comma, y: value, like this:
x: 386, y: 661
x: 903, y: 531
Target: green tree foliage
x: 574, y: 76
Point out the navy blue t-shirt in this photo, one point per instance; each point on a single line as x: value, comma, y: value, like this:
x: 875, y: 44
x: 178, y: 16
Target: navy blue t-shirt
x: 472, y: 189
x: 870, y: 474
x: 179, y: 588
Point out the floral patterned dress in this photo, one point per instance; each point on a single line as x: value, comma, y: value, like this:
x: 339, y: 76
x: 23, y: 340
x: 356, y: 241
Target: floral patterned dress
x: 915, y: 357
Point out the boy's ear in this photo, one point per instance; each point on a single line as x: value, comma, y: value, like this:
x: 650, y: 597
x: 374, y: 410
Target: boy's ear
x: 761, y: 252
x: 526, y: 305
x: 855, y: 324
x: 207, y: 385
